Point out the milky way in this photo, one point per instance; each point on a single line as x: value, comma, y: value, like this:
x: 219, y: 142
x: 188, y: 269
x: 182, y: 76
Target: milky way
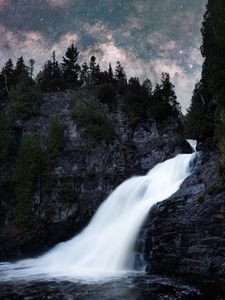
x: 147, y: 36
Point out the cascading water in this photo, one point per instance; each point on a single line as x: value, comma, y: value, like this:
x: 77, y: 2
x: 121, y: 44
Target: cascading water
x: 105, y: 247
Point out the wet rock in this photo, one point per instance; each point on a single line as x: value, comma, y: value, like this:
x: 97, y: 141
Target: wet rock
x: 186, y: 233
x: 91, y: 173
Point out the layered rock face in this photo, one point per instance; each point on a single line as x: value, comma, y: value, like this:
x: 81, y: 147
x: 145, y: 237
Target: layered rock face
x: 92, y: 173
x: 185, y: 235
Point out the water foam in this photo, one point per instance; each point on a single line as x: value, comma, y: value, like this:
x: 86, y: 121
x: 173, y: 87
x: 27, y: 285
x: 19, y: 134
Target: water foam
x: 106, y: 246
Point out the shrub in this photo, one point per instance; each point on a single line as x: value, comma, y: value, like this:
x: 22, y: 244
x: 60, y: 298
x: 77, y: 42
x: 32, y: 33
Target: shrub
x: 200, y: 199
x: 25, y: 101
x: 136, y: 104
x: 96, y: 127
x: 31, y: 168
x: 56, y: 139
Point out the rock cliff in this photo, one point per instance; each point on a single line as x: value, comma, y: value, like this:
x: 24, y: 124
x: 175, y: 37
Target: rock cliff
x: 91, y: 172
x: 185, y: 235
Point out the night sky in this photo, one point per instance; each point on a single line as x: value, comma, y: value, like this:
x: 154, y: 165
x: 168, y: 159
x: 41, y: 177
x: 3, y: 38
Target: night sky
x: 146, y: 36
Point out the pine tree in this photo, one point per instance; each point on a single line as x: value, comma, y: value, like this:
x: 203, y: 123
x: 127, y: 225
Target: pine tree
x: 120, y: 74
x: 21, y: 71
x: 199, y: 123
x: 160, y: 108
x: 8, y: 76
x: 56, y: 72
x: 50, y: 78
x: 70, y: 67
x: 213, y: 71
x: 134, y: 83
x: 31, y: 67
x: 168, y: 93
x: 147, y: 85
x: 110, y: 74
x: 84, y: 74
x: 95, y: 71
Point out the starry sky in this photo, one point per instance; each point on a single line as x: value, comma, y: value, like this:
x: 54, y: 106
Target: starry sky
x: 147, y: 36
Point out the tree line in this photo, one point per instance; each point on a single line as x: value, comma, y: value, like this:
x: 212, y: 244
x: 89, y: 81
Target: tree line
x: 69, y: 74
x: 56, y: 76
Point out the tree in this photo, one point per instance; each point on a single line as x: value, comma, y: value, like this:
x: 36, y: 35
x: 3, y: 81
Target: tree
x: 199, y: 123
x: 56, y: 139
x: 160, y: 109
x: 30, y: 171
x: 21, y: 70
x: 50, y: 78
x: 8, y: 74
x: 25, y: 101
x: 70, y: 67
x: 213, y: 71
x: 110, y: 74
x: 134, y: 83
x: 120, y: 74
x: 147, y: 85
x: 84, y: 74
x: 31, y: 67
x: 95, y: 71
x: 168, y: 94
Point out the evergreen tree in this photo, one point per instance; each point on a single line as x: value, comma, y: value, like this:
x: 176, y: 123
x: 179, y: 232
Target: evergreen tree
x: 7, y: 78
x: 50, y: 78
x: 56, y: 140
x: 168, y: 93
x: 84, y: 74
x: 199, y: 122
x: 21, y: 70
x: 160, y: 108
x: 95, y: 71
x: 56, y: 72
x: 44, y: 76
x: 120, y: 74
x: 213, y: 72
x: 31, y: 67
x: 134, y: 83
x: 29, y: 172
x: 70, y: 67
x: 110, y: 74
x: 147, y: 85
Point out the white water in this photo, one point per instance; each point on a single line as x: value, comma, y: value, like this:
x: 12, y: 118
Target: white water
x: 193, y: 144
x: 105, y: 247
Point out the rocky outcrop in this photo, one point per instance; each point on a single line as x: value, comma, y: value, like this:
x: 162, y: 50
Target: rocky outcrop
x: 185, y: 235
x: 92, y: 173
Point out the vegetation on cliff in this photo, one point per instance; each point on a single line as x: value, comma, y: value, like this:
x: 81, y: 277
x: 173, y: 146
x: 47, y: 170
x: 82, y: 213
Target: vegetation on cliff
x: 206, y: 117
x: 27, y: 156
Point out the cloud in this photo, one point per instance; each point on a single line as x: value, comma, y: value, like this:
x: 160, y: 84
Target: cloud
x: 4, y: 4
x: 147, y: 37
x: 32, y: 44
x: 59, y: 3
x: 137, y: 67
x: 168, y: 46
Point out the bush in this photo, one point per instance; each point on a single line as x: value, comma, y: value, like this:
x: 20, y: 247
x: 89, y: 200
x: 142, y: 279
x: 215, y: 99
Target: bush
x: 96, y: 127
x: 25, y: 101
x: 200, y: 199
x: 107, y: 94
x: 56, y: 139
x: 136, y: 104
x: 31, y: 168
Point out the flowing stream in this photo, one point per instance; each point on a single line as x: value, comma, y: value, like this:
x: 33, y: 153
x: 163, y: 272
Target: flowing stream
x: 106, y: 246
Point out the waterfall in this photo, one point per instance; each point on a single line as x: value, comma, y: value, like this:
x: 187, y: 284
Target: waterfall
x: 106, y: 246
